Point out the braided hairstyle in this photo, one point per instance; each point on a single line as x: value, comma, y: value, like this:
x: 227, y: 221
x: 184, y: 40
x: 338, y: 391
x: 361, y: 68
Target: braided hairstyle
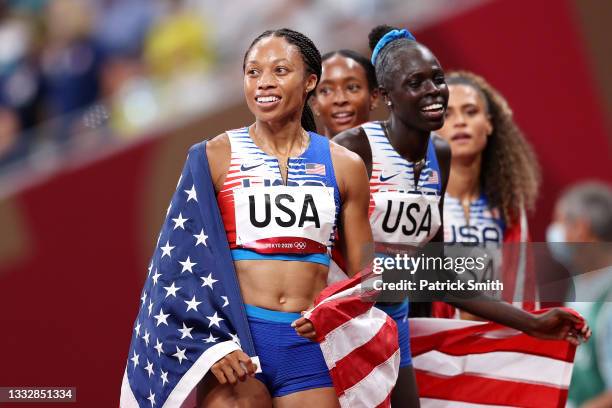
x: 312, y: 61
x: 510, y: 174
x: 361, y: 60
x: 385, y: 63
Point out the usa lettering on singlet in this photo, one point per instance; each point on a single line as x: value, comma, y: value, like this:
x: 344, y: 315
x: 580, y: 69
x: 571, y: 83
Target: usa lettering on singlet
x: 402, y: 213
x: 481, y: 233
x: 264, y: 214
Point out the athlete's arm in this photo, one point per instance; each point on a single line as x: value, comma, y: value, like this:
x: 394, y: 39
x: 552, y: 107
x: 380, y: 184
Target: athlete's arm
x: 355, y: 231
x: 555, y: 324
x: 356, y: 141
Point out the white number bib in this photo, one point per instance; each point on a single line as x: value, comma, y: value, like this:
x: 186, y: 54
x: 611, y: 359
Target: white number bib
x: 405, y: 218
x: 285, y: 219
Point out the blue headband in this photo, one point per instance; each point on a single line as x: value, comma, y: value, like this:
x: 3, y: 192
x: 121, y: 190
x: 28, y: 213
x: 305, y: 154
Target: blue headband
x: 387, y: 38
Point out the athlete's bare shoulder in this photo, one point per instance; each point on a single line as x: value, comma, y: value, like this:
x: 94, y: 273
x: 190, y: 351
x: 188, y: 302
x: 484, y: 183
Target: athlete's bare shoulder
x: 349, y: 168
x: 352, y: 138
x: 218, y: 152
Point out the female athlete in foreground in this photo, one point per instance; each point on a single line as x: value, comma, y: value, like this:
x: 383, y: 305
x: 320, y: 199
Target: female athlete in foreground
x: 283, y: 190
x: 408, y: 170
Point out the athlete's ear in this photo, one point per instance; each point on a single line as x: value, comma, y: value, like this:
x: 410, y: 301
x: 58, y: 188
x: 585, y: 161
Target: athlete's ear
x: 311, y: 83
x: 489, y: 125
x: 384, y: 95
x: 374, y: 98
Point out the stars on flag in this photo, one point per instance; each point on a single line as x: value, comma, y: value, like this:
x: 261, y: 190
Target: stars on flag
x: 135, y: 359
x: 201, y: 238
x: 179, y: 222
x: 166, y: 249
x: 214, y: 320
x: 208, y: 280
x: 164, y: 377
x: 191, y: 194
x: 225, y: 301
x: 155, y: 277
x: 185, y: 331
x: 211, y: 339
x: 146, y: 337
x: 149, y: 368
x: 192, y: 304
x: 159, y: 346
x: 187, y: 265
x: 161, y: 317
x: 180, y: 354
x: 171, y: 290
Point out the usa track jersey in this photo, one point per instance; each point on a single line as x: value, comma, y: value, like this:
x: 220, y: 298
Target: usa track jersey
x: 263, y: 217
x: 485, y: 225
x: 401, y: 213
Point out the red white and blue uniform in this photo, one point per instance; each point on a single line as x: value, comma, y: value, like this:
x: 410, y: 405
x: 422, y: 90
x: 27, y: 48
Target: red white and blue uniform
x: 404, y: 214
x: 266, y: 218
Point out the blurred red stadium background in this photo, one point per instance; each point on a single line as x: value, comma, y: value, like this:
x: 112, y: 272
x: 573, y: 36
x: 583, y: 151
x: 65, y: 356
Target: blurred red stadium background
x: 74, y: 247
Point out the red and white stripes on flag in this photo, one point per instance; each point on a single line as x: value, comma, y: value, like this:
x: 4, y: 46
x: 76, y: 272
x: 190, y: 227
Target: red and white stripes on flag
x: 462, y: 363
x: 359, y: 344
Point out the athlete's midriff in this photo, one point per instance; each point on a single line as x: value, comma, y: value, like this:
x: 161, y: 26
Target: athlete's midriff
x: 285, y: 286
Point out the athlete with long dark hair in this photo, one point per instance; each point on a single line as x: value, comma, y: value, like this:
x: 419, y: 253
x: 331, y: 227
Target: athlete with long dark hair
x: 284, y: 193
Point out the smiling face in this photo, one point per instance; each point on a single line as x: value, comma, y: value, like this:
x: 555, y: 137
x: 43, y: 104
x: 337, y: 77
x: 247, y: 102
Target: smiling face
x: 275, y: 80
x: 416, y: 88
x: 343, y: 99
x: 467, y: 123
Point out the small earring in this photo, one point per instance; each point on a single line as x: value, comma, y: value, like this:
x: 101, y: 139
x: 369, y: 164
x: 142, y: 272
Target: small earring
x: 388, y: 103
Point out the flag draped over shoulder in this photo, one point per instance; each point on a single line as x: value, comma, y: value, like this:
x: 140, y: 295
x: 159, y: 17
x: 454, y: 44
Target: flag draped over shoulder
x: 191, y: 311
x: 462, y: 363
x: 359, y: 344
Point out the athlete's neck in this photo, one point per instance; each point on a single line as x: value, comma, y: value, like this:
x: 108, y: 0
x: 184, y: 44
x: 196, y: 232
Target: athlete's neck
x: 280, y: 139
x: 464, y: 181
x: 409, y: 142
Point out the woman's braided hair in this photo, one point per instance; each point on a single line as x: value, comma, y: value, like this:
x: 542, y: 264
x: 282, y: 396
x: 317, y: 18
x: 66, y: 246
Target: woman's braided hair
x: 312, y: 60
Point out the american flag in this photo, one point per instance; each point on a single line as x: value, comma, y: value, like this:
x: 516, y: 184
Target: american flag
x: 462, y: 363
x: 433, y: 178
x: 359, y: 343
x: 191, y: 313
x: 315, y: 168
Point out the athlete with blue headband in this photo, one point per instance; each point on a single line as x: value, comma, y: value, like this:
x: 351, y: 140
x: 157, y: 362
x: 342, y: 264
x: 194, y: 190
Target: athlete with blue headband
x: 408, y: 168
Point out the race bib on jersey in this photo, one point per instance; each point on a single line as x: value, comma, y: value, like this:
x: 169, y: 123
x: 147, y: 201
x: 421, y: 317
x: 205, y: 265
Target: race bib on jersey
x: 285, y: 219
x: 405, y: 218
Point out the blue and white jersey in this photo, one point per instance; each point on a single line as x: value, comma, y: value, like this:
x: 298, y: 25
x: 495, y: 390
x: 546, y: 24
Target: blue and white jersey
x: 402, y: 212
x: 267, y: 218
x: 484, y: 225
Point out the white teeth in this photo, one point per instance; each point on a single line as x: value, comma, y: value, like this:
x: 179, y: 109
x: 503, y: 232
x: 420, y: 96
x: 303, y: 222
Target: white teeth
x: 341, y: 115
x: 264, y: 99
x: 434, y: 106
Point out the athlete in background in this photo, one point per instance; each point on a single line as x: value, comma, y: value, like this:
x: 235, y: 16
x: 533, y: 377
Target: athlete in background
x: 408, y: 170
x: 494, y: 178
x: 347, y: 92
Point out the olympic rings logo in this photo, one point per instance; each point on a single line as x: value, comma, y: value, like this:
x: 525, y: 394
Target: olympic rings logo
x: 299, y: 245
